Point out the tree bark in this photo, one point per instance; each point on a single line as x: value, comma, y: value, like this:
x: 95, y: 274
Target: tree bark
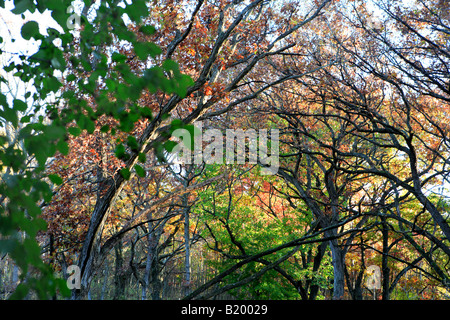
x: 384, y: 261
x: 150, y: 256
x: 337, y: 259
x: 187, y: 253
x: 119, y: 275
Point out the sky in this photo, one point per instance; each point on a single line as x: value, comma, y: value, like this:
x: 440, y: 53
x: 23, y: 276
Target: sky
x: 10, y: 25
x: 14, y: 45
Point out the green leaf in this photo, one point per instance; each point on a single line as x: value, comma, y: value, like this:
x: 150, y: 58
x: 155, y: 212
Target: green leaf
x: 3, y: 101
x: 40, y: 224
x: 139, y: 170
x: 146, y: 112
x: 169, y: 145
x: 159, y: 152
x: 19, y: 105
x: 75, y: 131
x: 62, y: 286
x: 126, y: 125
x: 125, y: 172
x: 183, y: 83
x: 137, y: 10
x: 90, y: 126
x: 9, y: 67
x: 148, y: 30
x: 23, y: 5
x: 33, y: 250
x: 25, y: 119
x: 142, y: 50
x: 32, y: 209
x: 132, y: 143
x: 120, y: 152
x: 142, y: 157
x: 29, y: 29
x: 104, y: 128
x: 7, y: 245
x: 176, y: 124
x: 55, y: 179
x: 63, y: 147
x: 170, y: 65
x: 10, y: 115
x: 20, y: 292
x: 52, y: 84
x: 154, y: 50
x: 118, y: 57
x: 193, y: 131
x: 58, y: 11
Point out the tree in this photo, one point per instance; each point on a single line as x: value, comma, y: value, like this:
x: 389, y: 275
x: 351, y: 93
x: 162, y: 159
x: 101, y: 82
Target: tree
x: 25, y: 188
x: 211, y: 84
x: 90, y: 175
x: 416, y: 128
x: 379, y: 129
x: 238, y: 226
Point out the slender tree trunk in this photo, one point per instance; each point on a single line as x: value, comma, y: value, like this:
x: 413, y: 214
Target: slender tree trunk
x: 119, y: 277
x: 105, y: 280
x: 384, y: 260
x: 359, y: 281
x: 150, y: 256
x: 187, y: 257
x: 2, y: 291
x: 156, y: 281
x: 52, y: 256
x: 337, y: 253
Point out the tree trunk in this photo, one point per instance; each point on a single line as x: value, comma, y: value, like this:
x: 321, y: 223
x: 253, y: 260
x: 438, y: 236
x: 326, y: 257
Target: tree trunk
x: 384, y: 260
x: 119, y: 276
x: 314, y: 290
x: 105, y: 280
x: 355, y: 288
x: 156, y: 281
x: 150, y: 256
x: 151, y: 276
x: 325, y: 221
x: 52, y: 256
x: 337, y: 259
x: 187, y: 258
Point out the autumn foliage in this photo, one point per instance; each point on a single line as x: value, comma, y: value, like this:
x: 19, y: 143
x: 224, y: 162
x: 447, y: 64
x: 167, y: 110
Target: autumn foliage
x: 359, y: 91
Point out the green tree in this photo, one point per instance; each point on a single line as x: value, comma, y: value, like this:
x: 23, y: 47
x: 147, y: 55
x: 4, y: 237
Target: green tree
x: 247, y: 215
x: 44, y: 129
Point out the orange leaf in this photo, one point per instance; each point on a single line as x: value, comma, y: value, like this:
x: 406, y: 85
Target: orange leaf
x: 208, y: 91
